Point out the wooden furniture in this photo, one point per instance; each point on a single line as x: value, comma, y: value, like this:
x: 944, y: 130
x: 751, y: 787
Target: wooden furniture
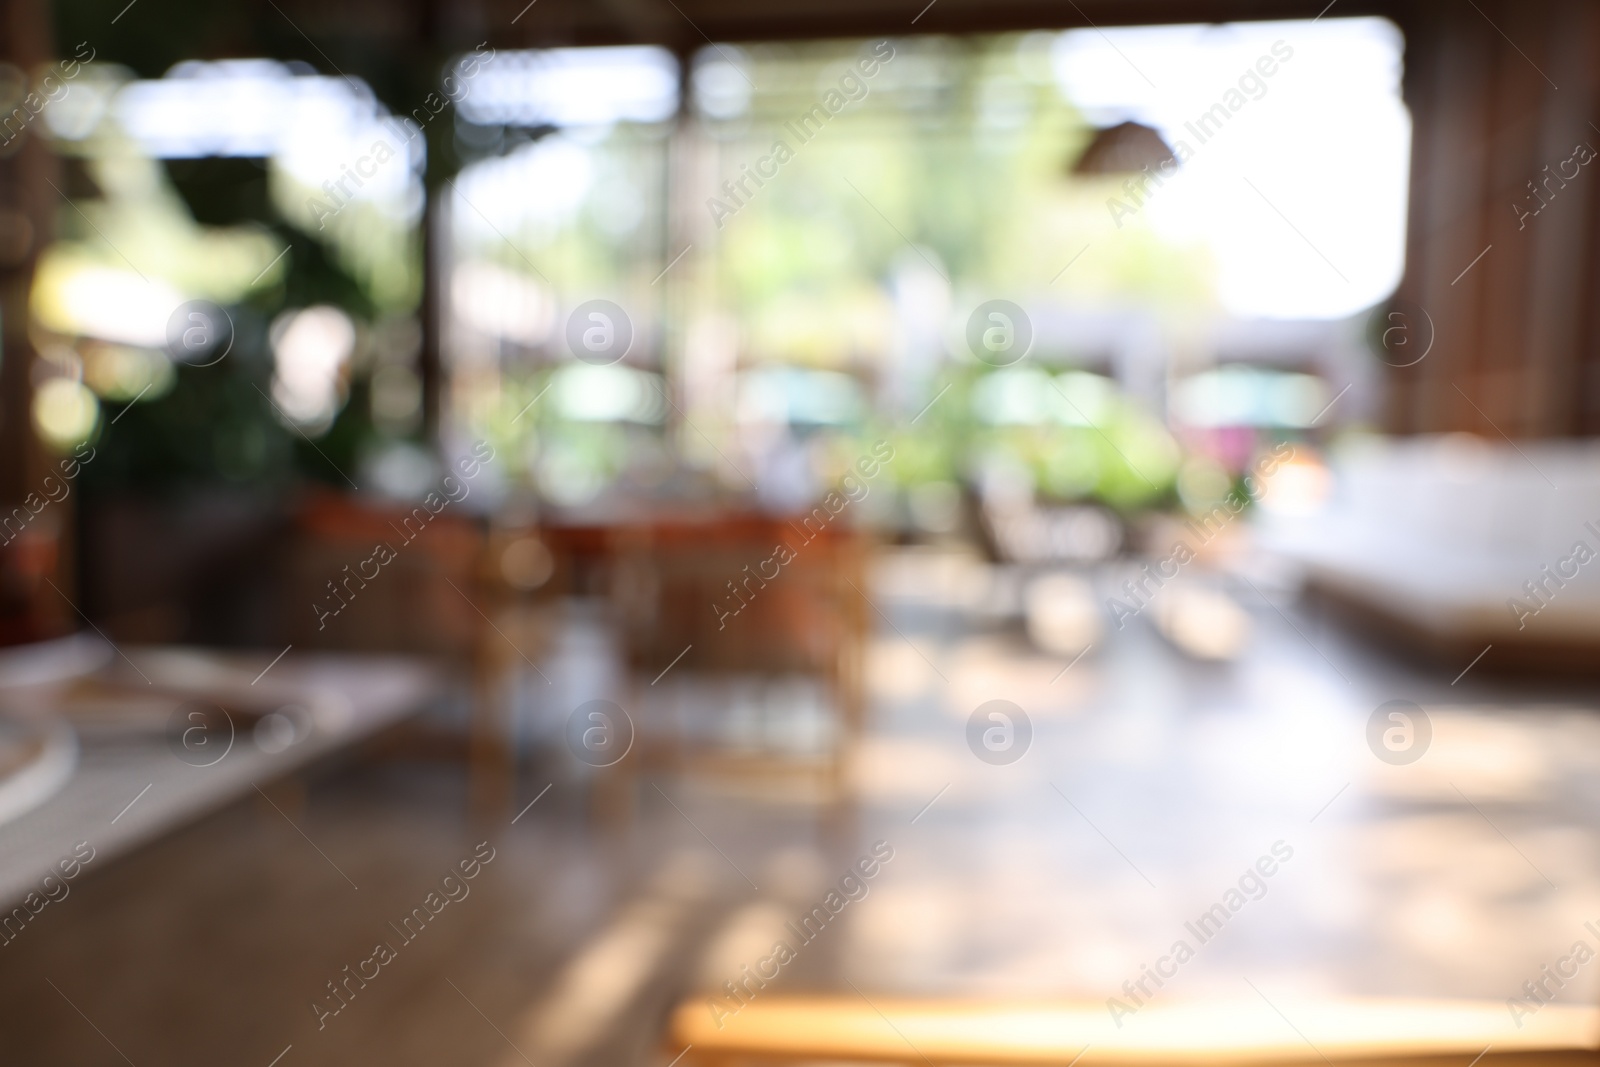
x: 1515, y: 351
x: 712, y: 599
x: 848, y: 1028
x: 724, y: 586
x: 373, y: 577
x: 745, y: 595
x: 339, y: 592
x: 1451, y: 544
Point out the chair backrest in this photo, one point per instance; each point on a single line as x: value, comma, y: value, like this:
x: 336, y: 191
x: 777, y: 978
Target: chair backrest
x: 748, y: 593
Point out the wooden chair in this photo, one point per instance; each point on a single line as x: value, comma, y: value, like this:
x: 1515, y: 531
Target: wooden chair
x: 411, y: 605
x: 772, y: 1029
x: 691, y: 596
x: 437, y: 595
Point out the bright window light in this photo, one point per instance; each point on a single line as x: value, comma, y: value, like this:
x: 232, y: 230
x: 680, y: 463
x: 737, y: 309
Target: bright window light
x: 800, y: 396
x: 1248, y: 396
x: 310, y: 348
x: 502, y: 303
x: 722, y: 88
x: 574, y: 87
x: 559, y: 168
x: 72, y: 296
x: 585, y: 393
x: 316, y: 128
x: 1026, y: 396
x: 1295, y: 180
x: 64, y: 412
x: 240, y: 107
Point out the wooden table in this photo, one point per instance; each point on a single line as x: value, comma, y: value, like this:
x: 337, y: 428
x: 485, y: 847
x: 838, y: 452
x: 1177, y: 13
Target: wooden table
x: 1378, y: 1032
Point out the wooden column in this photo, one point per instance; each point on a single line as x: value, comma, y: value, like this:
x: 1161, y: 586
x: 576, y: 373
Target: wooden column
x: 27, y: 206
x: 29, y: 608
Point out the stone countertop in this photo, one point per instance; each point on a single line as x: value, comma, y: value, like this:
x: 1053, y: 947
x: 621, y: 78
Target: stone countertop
x: 130, y: 788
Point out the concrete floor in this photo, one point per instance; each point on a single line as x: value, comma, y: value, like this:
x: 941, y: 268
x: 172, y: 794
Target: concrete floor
x: 1151, y: 785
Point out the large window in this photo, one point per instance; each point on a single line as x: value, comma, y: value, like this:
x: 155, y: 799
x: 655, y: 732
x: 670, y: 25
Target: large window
x: 728, y: 290
x: 800, y: 247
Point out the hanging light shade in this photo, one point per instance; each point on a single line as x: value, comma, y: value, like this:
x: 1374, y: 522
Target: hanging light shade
x: 1125, y: 148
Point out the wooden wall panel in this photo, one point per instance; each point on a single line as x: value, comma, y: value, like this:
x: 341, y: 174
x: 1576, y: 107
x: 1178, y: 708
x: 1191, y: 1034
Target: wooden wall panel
x: 1499, y: 91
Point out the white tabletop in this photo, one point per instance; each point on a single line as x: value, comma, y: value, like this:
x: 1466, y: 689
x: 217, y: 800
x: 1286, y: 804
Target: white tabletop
x: 351, y: 697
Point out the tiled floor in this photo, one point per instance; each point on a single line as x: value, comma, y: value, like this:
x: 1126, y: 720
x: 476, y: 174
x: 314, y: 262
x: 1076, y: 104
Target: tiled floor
x: 1151, y: 785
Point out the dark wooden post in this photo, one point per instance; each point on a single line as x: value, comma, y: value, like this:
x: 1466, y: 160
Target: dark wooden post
x: 29, y: 608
